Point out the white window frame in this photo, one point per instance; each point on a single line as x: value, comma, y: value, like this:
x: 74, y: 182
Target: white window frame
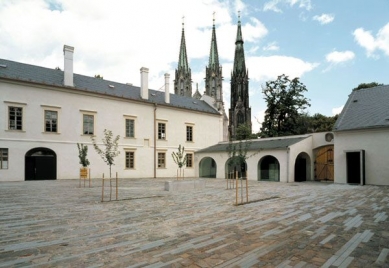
x: 88, y: 113
x: 49, y: 108
x: 20, y: 105
x: 2, y: 150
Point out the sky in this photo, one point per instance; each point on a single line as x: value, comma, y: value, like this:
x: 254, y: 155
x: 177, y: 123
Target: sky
x: 332, y: 45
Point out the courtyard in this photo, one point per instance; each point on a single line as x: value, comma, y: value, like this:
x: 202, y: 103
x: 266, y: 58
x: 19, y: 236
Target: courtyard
x: 308, y: 224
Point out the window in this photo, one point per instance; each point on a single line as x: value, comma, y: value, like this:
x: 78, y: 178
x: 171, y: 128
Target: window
x: 15, y: 118
x: 88, y: 124
x: 189, y: 160
x: 189, y: 133
x: 130, y: 128
x: 161, y: 131
x: 3, y: 158
x: 130, y: 160
x: 161, y: 160
x: 51, y: 121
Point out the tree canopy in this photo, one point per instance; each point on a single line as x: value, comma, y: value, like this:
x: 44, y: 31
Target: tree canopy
x: 367, y: 85
x: 285, y: 104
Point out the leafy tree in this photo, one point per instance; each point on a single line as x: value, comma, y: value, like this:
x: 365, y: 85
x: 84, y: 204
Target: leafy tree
x: 367, y: 85
x: 180, y: 157
x: 82, y: 154
x: 315, y: 123
x: 237, y: 151
x: 99, y: 76
x: 285, y: 104
x: 111, y: 148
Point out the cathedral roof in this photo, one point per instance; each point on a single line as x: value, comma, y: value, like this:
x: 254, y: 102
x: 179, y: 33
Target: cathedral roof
x: 86, y: 84
x: 213, y: 55
x: 239, y: 59
x: 183, y: 58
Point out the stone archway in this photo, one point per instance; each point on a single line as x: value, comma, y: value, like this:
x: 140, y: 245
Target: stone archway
x: 268, y: 169
x: 233, y: 166
x: 302, y: 167
x: 207, y: 168
x: 40, y: 164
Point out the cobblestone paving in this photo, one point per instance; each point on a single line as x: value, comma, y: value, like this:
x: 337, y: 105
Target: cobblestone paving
x: 57, y: 224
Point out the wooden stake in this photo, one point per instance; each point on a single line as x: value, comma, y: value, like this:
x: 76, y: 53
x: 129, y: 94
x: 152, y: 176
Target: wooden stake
x: 102, y: 190
x: 237, y: 186
x: 117, y: 186
x: 247, y: 190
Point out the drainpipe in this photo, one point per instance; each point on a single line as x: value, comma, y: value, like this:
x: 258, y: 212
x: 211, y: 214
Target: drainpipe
x: 155, y: 141
x: 287, y: 164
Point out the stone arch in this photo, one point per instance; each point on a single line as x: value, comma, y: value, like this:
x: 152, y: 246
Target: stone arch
x: 302, y: 167
x: 268, y: 169
x: 242, y: 169
x: 207, y: 168
x: 40, y: 164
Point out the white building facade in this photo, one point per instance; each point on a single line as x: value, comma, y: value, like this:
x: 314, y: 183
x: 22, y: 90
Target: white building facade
x: 46, y: 112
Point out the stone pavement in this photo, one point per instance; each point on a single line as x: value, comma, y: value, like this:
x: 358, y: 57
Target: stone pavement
x: 57, y: 224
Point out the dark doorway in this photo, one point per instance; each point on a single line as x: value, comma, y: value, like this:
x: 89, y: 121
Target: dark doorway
x: 355, y: 167
x: 269, y: 169
x: 40, y: 164
x: 234, y: 166
x: 207, y: 168
x: 300, y: 170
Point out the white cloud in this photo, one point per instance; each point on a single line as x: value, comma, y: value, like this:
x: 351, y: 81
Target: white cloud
x: 267, y: 68
x: 324, y: 18
x: 371, y: 43
x: 338, y: 110
x: 340, y: 56
x: 271, y: 47
x: 273, y: 5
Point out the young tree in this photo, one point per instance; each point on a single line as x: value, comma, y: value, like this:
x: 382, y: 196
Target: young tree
x: 180, y: 157
x: 285, y: 103
x: 111, y: 148
x: 82, y: 154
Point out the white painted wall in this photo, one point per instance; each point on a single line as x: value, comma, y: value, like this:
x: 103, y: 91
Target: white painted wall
x: 376, y: 146
x: 109, y: 114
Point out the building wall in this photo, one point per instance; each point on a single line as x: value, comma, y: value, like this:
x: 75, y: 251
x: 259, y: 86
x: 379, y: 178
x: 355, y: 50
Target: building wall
x: 376, y: 146
x: 109, y: 113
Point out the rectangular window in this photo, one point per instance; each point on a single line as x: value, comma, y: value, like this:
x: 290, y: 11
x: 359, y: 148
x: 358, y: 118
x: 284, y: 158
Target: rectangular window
x: 189, y: 160
x: 161, y: 131
x: 88, y: 124
x: 130, y: 128
x: 51, y: 121
x: 15, y: 118
x: 189, y: 133
x: 130, y: 160
x: 3, y: 158
x: 161, y: 160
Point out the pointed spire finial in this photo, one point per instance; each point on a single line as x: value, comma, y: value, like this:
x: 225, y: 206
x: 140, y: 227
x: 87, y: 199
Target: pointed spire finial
x: 238, y: 15
x: 183, y: 21
x: 214, y: 18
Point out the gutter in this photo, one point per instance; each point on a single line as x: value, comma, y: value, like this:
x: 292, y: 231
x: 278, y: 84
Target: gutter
x: 155, y: 141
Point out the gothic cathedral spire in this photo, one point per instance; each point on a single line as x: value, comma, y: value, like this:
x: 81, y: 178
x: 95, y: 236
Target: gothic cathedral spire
x: 183, y: 76
x: 240, y: 111
x: 213, y: 72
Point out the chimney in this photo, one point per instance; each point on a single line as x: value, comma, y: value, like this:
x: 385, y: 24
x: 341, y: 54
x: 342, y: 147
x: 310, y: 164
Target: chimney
x: 144, y: 83
x: 68, y: 66
x: 167, y: 93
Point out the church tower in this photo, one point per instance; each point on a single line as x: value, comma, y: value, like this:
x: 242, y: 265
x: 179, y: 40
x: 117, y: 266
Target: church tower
x: 183, y: 76
x: 240, y: 111
x: 213, y: 72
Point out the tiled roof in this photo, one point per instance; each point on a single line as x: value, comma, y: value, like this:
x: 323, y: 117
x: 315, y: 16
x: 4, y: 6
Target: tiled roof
x: 256, y: 145
x: 365, y: 108
x: 37, y: 74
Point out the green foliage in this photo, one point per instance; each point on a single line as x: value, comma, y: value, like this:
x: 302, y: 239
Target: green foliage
x: 180, y: 157
x: 111, y: 148
x: 82, y: 154
x: 99, y: 76
x: 367, y: 85
x: 315, y: 123
x: 285, y: 103
x: 243, y: 132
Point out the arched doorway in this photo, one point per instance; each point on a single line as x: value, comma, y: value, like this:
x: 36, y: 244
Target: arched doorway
x: 40, y: 164
x: 302, y: 167
x: 324, y: 164
x: 233, y: 165
x: 268, y: 169
x: 207, y: 168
